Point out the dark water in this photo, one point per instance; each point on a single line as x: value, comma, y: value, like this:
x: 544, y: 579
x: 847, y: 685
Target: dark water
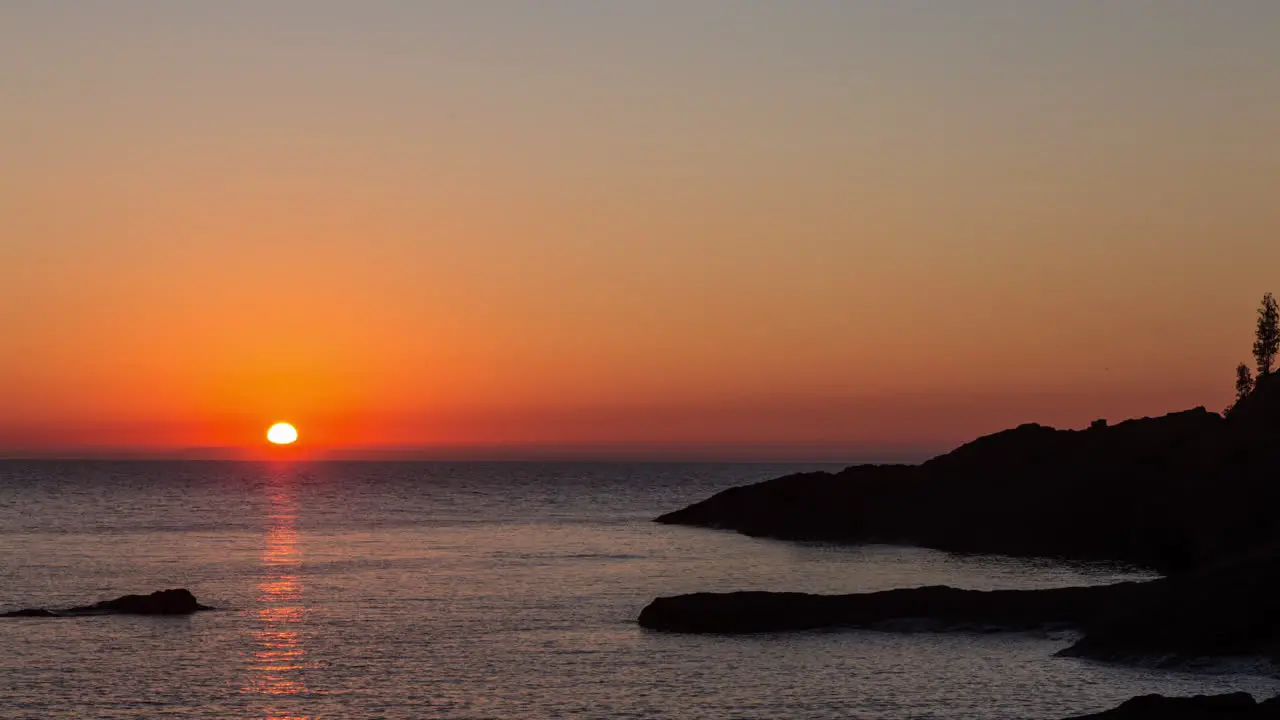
x: 479, y: 590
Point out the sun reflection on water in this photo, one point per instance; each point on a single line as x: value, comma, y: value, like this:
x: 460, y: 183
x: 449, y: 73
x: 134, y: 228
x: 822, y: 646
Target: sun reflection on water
x: 278, y: 661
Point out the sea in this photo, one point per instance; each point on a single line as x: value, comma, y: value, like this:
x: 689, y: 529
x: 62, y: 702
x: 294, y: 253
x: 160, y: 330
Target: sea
x: 486, y: 590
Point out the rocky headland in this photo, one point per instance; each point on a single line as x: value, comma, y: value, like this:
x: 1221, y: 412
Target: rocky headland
x: 1192, y: 494
x: 1168, y: 493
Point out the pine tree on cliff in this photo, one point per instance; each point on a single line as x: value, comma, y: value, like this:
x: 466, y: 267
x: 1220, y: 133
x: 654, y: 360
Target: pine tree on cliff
x: 1244, y: 382
x: 1268, y: 336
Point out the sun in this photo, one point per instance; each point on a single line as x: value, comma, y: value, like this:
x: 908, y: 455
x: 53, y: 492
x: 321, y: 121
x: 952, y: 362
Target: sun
x: 282, y: 434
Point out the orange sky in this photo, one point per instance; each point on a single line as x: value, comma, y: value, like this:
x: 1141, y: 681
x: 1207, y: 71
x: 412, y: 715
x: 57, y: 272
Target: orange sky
x: 819, y: 229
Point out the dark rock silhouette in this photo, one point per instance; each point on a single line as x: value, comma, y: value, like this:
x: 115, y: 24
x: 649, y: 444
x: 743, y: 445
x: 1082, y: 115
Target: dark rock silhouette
x: 926, y: 608
x: 1171, y: 493
x: 29, y: 612
x: 1259, y: 410
x: 1232, y: 706
x: 1192, y: 494
x: 162, y: 602
x: 1225, y: 610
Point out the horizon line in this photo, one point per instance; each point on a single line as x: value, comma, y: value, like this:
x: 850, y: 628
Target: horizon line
x: 732, y: 453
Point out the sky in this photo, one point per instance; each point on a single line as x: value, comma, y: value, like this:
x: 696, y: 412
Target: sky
x: 732, y: 228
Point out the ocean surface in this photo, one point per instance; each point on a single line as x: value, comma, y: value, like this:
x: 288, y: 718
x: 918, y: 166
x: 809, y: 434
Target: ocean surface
x: 502, y: 590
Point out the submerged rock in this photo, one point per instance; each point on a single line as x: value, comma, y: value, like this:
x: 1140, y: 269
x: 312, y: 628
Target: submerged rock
x: 162, y: 602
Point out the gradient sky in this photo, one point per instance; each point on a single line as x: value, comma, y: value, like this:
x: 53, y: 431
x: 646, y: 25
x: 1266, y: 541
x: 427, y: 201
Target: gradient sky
x: 816, y: 228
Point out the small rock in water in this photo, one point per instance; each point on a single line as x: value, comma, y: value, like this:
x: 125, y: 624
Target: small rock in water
x: 178, y: 601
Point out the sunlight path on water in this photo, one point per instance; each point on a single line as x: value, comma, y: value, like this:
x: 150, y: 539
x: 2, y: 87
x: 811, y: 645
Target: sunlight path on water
x: 279, y: 657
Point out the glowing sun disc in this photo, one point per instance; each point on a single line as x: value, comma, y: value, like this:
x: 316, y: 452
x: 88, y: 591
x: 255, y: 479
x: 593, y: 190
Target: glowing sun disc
x: 282, y: 434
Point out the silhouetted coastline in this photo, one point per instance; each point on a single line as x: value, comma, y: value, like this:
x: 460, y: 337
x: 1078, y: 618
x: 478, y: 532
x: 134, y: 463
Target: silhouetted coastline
x: 1224, y: 611
x: 1192, y: 494
x: 1229, y: 706
x: 1171, y: 493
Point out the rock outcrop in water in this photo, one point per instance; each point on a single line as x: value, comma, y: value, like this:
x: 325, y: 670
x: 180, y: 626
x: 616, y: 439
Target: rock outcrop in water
x: 1220, y: 611
x: 1232, y: 706
x: 926, y: 608
x: 162, y: 602
x: 1171, y: 493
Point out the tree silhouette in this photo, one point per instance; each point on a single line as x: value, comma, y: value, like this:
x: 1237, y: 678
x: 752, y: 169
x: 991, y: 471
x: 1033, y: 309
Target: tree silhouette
x: 1244, y: 382
x: 1268, y: 335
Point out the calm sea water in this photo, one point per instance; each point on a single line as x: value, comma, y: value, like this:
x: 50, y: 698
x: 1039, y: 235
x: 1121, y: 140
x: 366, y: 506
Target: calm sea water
x: 477, y: 591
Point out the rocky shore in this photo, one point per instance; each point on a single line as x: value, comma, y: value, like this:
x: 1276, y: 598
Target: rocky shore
x: 1170, y: 493
x: 1192, y: 494
x: 1232, y: 706
x: 1223, y: 611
